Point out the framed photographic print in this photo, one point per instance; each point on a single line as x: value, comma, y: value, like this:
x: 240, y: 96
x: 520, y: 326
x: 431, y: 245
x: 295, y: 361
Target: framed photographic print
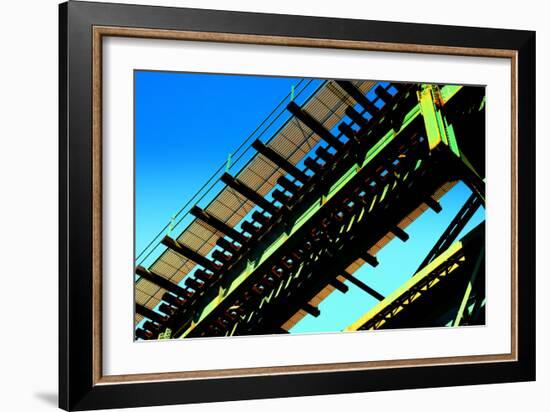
x: 259, y: 205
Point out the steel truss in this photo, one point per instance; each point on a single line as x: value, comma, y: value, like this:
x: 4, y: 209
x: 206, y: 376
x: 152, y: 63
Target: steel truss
x: 356, y: 190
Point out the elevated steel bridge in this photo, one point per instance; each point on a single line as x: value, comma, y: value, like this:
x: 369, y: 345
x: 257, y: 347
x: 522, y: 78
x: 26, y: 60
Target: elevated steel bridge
x: 299, y: 222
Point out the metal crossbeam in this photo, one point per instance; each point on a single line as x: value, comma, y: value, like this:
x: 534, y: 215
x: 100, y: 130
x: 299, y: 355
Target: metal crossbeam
x: 312, y: 310
x: 469, y: 288
x: 218, y: 224
x: 160, y: 281
x: 150, y: 314
x: 433, y: 204
x: 314, y: 125
x: 247, y: 192
x: 356, y: 117
x: 370, y: 259
x: 189, y: 253
x: 339, y: 285
x: 363, y: 286
x: 383, y: 94
x: 280, y: 161
x: 400, y: 233
x: 452, y: 231
x: 357, y: 95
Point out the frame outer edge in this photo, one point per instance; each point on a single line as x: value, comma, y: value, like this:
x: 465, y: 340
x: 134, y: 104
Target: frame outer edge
x: 78, y: 215
x: 76, y: 366
x: 527, y: 205
x: 63, y: 375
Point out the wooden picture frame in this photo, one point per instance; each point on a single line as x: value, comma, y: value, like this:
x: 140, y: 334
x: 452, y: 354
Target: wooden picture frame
x: 83, y: 25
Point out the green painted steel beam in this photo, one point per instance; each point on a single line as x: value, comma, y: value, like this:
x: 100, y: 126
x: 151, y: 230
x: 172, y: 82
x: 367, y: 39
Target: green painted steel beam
x: 454, y: 250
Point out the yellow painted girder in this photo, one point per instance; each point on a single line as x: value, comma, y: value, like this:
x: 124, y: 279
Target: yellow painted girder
x: 452, y: 251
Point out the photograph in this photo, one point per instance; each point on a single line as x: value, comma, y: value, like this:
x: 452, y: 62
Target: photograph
x: 272, y: 205
x: 260, y: 205
x: 275, y: 206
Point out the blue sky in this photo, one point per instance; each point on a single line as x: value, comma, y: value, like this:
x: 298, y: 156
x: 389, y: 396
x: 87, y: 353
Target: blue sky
x: 187, y: 124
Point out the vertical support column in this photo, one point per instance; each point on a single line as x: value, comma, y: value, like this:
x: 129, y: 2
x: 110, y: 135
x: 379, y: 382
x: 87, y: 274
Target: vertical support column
x: 433, y: 121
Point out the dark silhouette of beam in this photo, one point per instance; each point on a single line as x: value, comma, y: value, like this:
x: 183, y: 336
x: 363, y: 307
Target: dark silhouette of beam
x: 313, y: 165
x: 314, y: 125
x: 189, y: 253
x: 452, y: 231
x: 167, y: 309
x: 433, y: 204
x: 288, y: 185
x: 312, y: 310
x: 144, y: 334
x: 160, y: 281
x: 279, y: 196
x: 280, y: 161
x: 150, y: 314
x: 324, y: 154
x: 400, y: 233
x: 221, y: 256
x: 249, y: 227
x: 247, y: 192
x: 194, y: 284
x: 152, y: 326
x: 173, y: 300
x: 227, y: 245
x: 370, y: 259
x: 356, y: 117
x: 205, y: 276
x: 383, y: 94
x: 217, y: 224
x: 357, y: 95
x: 362, y: 286
x: 339, y: 285
x: 260, y: 218
x: 347, y: 130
